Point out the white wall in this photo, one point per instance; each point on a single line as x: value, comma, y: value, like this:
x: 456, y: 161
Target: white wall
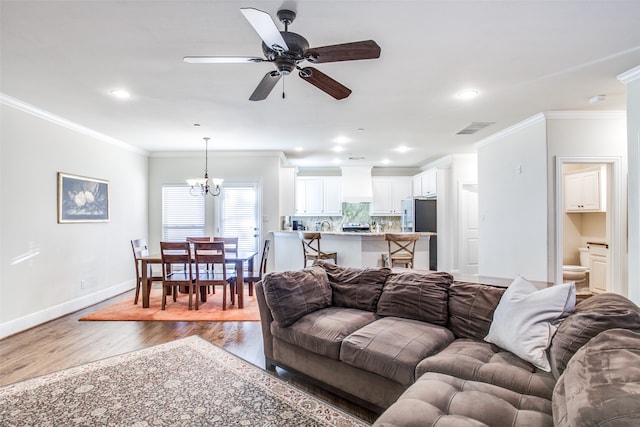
x: 632, y: 79
x: 516, y: 176
x: 172, y: 168
x: 590, y: 136
x: 512, y: 187
x: 42, y: 263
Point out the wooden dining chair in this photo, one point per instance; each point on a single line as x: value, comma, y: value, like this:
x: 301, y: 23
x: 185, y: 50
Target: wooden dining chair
x: 401, y: 248
x: 212, y: 253
x: 140, y: 249
x: 230, y: 243
x: 252, y: 277
x: 177, y: 270
x: 198, y: 239
x: 311, y: 248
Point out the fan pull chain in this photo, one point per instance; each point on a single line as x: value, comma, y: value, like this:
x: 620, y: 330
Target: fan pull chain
x: 283, y: 96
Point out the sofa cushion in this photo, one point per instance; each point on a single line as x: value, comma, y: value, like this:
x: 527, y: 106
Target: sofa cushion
x: 355, y: 287
x: 601, y: 383
x: 443, y: 400
x: 322, y: 331
x: 417, y: 296
x: 590, y: 317
x: 392, y: 347
x: 471, y: 308
x: 527, y: 317
x: 481, y: 361
x: 292, y: 294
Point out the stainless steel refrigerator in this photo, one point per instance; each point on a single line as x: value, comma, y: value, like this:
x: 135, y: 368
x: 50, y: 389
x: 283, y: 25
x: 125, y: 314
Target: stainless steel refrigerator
x: 419, y: 214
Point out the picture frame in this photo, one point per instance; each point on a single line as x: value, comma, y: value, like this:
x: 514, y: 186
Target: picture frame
x: 82, y: 199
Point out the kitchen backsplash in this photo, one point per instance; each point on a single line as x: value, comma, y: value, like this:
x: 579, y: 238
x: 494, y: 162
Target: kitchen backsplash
x: 351, y: 212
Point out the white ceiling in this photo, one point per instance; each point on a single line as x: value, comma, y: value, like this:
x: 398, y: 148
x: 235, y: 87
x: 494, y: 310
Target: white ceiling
x: 524, y: 57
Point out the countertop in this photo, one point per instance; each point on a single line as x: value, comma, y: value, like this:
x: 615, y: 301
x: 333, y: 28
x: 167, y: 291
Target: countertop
x: 351, y: 233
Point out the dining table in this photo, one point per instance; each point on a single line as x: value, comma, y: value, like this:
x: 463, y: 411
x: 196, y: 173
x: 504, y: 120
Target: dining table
x: 238, y: 258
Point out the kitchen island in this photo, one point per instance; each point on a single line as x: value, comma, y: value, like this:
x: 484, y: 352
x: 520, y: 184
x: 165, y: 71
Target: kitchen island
x: 354, y: 249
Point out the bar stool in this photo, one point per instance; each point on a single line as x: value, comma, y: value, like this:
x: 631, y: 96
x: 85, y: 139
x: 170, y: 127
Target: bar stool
x: 401, y: 249
x: 311, y: 248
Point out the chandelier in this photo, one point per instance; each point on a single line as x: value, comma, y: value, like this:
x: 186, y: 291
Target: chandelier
x: 200, y: 186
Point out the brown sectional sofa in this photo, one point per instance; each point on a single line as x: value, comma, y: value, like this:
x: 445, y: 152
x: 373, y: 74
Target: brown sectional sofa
x: 411, y: 345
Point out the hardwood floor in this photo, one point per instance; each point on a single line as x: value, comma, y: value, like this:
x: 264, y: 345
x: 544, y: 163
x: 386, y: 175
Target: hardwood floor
x: 67, y: 342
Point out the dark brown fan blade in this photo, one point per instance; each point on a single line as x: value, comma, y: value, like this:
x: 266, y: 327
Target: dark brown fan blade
x: 265, y: 86
x: 343, y: 52
x: 324, y: 83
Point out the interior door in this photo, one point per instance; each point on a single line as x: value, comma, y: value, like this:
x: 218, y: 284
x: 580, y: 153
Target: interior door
x: 468, y: 229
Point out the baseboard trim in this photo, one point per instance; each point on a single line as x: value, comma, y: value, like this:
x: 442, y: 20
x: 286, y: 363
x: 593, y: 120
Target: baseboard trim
x: 34, y: 319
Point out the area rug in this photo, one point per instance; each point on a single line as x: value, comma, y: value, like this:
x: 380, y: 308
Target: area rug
x: 187, y: 382
x: 210, y: 311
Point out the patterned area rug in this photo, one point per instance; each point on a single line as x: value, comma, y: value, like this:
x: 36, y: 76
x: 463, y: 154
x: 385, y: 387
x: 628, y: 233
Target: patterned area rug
x: 187, y: 382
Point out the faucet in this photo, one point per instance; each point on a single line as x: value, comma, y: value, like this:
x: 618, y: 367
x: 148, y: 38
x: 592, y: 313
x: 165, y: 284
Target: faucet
x: 328, y: 225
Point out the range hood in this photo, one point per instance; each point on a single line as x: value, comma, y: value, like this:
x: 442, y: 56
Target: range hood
x: 356, y: 184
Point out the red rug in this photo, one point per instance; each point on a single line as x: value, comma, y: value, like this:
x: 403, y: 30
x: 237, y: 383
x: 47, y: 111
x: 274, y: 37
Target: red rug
x: 210, y: 311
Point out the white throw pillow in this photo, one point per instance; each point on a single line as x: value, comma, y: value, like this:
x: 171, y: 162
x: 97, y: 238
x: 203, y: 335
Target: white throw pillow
x: 527, y: 317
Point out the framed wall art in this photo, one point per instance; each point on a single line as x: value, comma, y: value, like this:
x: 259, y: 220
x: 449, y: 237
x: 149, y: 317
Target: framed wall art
x: 82, y: 199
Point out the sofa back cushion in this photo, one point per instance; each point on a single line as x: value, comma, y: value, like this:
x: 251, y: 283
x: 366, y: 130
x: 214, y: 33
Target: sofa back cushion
x: 590, y: 317
x: 355, y: 287
x: 471, y: 307
x: 292, y: 294
x: 601, y: 384
x: 418, y: 296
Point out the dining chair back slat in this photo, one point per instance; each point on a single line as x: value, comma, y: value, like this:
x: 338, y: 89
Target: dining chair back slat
x: 401, y: 248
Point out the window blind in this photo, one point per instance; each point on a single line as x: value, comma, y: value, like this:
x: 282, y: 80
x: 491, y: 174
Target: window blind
x: 182, y: 214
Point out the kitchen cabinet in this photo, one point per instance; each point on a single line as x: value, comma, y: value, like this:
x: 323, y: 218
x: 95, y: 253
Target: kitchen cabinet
x: 318, y: 196
x: 585, y: 190
x: 425, y: 183
x: 598, y: 268
x: 388, y: 192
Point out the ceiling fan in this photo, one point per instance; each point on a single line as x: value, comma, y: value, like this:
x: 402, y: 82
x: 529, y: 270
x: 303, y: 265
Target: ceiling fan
x: 287, y: 50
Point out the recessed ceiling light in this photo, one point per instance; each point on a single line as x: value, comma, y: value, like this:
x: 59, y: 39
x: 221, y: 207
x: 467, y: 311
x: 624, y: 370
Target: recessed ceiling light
x: 336, y: 161
x: 385, y: 161
x: 341, y: 140
x: 468, y: 94
x: 337, y: 149
x: 402, y: 149
x: 120, y: 93
x: 299, y: 149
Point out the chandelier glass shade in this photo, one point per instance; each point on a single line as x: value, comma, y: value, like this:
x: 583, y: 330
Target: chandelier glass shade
x: 201, y: 186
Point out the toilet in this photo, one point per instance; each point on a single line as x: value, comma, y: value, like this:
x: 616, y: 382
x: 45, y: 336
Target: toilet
x: 578, y: 273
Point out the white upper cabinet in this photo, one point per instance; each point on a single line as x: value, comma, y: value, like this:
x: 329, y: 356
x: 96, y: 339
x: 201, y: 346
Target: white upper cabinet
x: 318, y: 196
x: 388, y: 192
x: 585, y: 190
x: 425, y: 183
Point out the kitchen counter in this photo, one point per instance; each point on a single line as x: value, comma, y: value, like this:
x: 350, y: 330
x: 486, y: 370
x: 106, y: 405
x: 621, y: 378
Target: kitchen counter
x: 355, y: 249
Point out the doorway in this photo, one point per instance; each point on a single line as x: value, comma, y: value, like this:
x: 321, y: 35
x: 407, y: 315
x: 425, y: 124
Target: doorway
x: 601, y: 228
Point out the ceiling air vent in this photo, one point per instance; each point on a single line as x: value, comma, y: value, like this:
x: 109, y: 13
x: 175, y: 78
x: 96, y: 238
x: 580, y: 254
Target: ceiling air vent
x: 474, y: 127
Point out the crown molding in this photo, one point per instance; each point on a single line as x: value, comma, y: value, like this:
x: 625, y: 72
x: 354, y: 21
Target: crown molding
x: 630, y: 76
x: 511, y: 130
x: 219, y: 153
x: 12, y: 102
x: 579, y: 114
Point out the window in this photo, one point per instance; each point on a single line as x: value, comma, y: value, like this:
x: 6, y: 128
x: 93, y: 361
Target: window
x: 182, y: 213
x: 239, y: 213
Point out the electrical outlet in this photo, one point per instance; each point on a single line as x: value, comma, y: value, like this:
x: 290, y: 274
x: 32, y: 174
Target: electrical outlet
x: 82, y: 284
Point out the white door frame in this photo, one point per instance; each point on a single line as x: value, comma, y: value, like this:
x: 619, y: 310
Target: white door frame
x: 463, y: 215
x: 617, y: 280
